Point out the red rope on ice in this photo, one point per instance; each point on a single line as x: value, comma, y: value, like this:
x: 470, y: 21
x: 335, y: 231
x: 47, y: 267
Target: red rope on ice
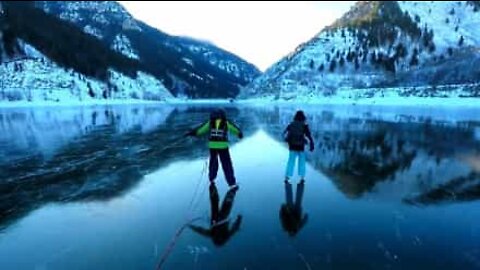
x: 180, y: 230
x: 172, y: 243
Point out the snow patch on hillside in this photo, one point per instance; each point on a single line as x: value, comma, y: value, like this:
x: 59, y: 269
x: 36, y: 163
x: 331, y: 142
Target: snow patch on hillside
x: 36, y: 79
x: 144, y: 87
x: 93, y: 31
x: 123, y: 45
x: 443, y: 17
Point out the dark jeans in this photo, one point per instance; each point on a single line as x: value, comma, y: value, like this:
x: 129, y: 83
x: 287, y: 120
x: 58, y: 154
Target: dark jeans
x: 224, y: 155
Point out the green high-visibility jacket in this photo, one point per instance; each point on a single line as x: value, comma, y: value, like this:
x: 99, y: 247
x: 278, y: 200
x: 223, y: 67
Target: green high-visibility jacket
x: 205, y: 128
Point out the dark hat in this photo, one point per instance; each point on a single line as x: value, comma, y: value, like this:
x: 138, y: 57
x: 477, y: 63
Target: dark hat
x: 299, y: 116
x: 218, y: 114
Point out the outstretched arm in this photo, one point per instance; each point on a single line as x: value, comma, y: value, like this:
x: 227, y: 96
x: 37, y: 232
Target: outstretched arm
x: 284, y: 134
x: 309, y: 136
x: 200, y: 130
x: 234, y: 129
x: 236, y: 225
x: 303, y: 222
x: 200, y: 230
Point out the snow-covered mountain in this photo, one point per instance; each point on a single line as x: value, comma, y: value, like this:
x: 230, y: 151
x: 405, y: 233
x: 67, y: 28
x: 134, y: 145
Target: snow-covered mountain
x: 27, y: 74
x: 379, y: 44
x: 186, y: 66
x: 80, y: 51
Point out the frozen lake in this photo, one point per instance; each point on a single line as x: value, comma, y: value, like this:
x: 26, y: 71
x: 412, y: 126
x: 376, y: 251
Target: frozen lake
x: 109, y: 187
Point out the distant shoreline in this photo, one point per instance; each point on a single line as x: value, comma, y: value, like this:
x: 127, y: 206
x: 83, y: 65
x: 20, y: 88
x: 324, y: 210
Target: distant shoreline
x: 109, y: 102
x: 77, y: 103
x: 402, y: 102
x: 375, y: 101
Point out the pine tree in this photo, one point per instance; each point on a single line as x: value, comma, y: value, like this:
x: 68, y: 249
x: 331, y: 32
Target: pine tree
x: 333, y: 65
x: 90, y: 91
x: 321, y: 67
x: 460, y: 41
x: 350, y: 56
x: 417, y: 18
x: 400, y: 50
x: 373, y: 58
x: 389, y: 64
x: 414, y: 59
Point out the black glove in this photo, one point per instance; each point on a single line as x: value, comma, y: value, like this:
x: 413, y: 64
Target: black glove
x: 312, y: 147
x: 240, y: 135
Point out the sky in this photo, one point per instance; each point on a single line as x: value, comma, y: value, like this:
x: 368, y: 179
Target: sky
x: 259, y: 32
